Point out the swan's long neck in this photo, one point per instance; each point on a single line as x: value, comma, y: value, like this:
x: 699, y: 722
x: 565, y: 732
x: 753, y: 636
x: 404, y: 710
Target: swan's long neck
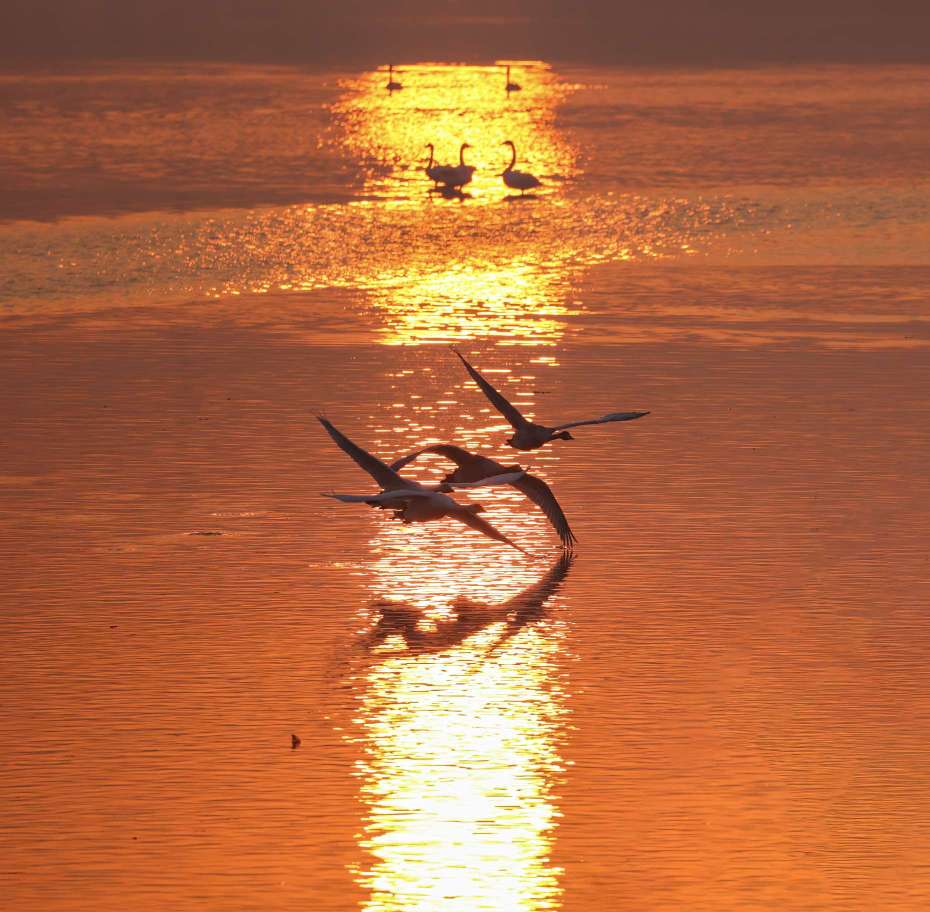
x: 508, y: 75
x: 513, y: 156
x: 462, y: 156
x: 429, y: 164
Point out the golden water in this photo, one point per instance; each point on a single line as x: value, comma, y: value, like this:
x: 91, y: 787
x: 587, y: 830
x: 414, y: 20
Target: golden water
x: 718, y: 704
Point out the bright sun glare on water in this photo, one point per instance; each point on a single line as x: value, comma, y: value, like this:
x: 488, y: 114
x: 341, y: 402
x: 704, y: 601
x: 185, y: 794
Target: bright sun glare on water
x: 459, y: 716
x: 456, y: 293
x: 447, y: 106
x: 197, y: 258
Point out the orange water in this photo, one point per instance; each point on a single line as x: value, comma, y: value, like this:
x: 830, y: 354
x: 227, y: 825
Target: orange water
x: 719, y: 704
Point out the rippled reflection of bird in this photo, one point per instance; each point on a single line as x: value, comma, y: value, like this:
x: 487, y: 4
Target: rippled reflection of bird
x: 512, y: 86
x: 473, y: 467
x: 411, y: 501
x: 531, y: 436
x: 518, y: 180
x: 529, y: 606
x: 392, y: 84
x: 398, y: 619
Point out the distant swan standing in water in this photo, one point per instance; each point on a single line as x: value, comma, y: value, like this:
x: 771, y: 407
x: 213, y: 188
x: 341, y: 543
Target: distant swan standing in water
x: 438, y: 174
x: 392, y: 84
x: 518, y: 180
x: 512, y: 86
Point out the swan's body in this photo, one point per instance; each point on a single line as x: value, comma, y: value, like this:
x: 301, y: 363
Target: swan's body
x: 474, y: 468
x: 460, y: 174
x: 518, y: 180
x: 528, y: 435
x: 438, y: 174
x: 512, y: 86
x: 411, y: 501
x: 392, y: 84
x: 412, y: 505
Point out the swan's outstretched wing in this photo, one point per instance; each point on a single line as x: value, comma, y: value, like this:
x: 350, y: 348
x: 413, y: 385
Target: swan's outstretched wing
x: 349, y: 498
x: 477, y: 523
x: 541, y: 495
x: 385, y: 497
x: 613, y: 416
x: 530, y: 486
x: 496, y: 399
x: 385, y: 476
x: 453, y: 453
x: 505, y: 478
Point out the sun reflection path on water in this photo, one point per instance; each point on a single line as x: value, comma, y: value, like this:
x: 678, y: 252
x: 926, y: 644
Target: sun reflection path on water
x: 462, y: 701
x: 462, y: 758
x: 507, y: 271
x: 442, y: 274
x: 461, y: 725
x: 519, y: 302
x: 456, y: 292
x: 447, y: 105
x: 420, y: 268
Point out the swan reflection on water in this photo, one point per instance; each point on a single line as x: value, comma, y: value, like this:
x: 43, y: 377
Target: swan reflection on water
x: 398, y: 620
x: 449, y: 193
x: 461, y: 724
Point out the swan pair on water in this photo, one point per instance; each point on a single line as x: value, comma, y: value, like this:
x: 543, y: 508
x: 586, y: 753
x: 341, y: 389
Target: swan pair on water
x: 393, y: 85
x: 414, y: 502
x: 454, y: 177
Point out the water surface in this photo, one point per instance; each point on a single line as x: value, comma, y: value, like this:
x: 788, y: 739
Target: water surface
x: 717, y: 704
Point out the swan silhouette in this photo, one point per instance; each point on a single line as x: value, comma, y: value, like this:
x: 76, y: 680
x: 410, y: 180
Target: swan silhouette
x: 460, y: 174
x: 472, y: 467
x: 518, y: 180
x: 411, y: 501
x: 528, y: 435
x: 438, y: 174
x: 512, y: 86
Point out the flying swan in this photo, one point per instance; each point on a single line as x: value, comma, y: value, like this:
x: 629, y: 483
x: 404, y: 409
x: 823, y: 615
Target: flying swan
x: 411, y: 501
x: 530, y: 436
x: 475, y: 468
